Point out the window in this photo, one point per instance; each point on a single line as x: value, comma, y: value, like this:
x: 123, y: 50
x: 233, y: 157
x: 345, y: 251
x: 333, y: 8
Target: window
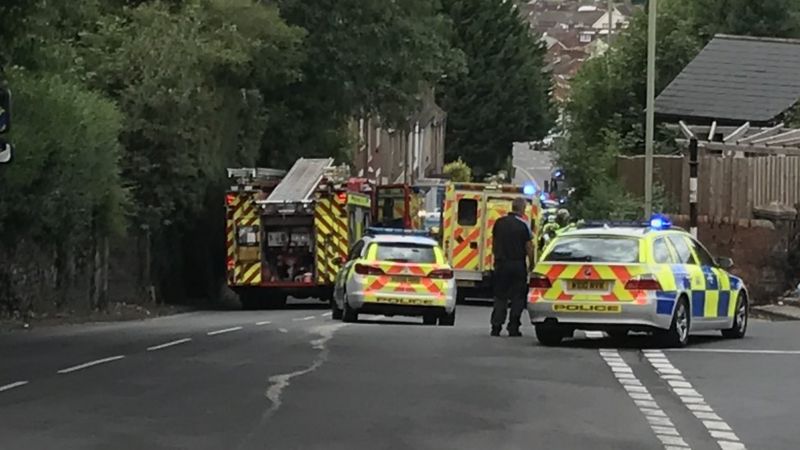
x: 406, y: 253
x: 595, y: 249
x: 355, y: 252
x: 704, y: 258
x: 467, y: 212
x: 661, y: 253
x: 682, y: 248
x: 247, y: 236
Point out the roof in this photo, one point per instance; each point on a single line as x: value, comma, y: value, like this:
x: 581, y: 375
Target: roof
x: 400, y: 239
x: 736, y: 79
x: 610, y: 231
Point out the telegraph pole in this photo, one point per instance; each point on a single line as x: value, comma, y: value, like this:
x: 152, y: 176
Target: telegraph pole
x: 651, y: 94
x: 610, y: 20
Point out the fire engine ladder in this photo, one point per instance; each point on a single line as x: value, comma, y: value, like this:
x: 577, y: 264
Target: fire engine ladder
x: 301, y: 181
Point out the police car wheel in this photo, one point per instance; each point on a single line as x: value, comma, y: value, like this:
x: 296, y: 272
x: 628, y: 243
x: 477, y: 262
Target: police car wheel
x: 740, y: 319
x: 678, y: 333
x: 349, y: 314
x: 549, y: 335
x: 429, y: 319
x: 448, y: 320
x: 336, y: 312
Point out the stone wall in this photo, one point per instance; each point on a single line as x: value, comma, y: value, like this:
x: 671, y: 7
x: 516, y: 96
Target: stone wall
x: 763, y: 252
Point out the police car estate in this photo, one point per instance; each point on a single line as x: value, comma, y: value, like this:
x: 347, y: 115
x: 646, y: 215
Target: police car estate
x: 396, y: 272
x: 621, y: 277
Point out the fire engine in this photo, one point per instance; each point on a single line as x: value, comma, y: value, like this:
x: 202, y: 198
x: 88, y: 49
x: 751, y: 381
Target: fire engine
x: 288, y: 235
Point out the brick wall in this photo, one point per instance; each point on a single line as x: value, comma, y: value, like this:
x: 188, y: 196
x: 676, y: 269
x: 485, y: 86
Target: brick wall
x: 761, y: 250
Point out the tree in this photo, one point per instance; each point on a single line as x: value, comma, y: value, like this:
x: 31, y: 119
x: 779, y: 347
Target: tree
x: 606, y: 111
x: 364, y: 57
x: 503, y: 96
x: 458, y: 171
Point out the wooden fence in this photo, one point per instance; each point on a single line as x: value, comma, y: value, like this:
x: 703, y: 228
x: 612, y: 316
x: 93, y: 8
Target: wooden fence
x: 728, y: 186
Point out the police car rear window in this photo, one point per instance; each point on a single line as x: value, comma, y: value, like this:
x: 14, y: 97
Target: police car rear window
x: 601, y: 249
x: 406, y: 253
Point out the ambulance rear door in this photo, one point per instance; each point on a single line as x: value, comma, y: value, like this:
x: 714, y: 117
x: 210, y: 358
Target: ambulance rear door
x: 462, y: 234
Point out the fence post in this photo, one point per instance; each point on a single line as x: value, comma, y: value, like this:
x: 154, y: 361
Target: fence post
x: 693, y: 163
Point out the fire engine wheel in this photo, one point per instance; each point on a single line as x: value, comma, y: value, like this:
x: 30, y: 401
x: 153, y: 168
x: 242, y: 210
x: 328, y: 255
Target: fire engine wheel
x: 429, y: 319
x: 249, y: 301
x: 336, y: 312
x: 278, y: 301
x: 349, y: 314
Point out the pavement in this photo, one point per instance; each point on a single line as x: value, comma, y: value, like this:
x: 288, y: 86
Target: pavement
x: 295, y: 379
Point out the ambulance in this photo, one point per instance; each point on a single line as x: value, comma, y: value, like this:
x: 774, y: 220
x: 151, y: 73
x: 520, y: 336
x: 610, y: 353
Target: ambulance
x: 469, y: 213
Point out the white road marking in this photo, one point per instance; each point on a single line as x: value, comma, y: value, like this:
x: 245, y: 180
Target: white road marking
x: 594, y: 334
x: 729, y: 350
x: 694, y: 401
x: 265, y: 322
x: 327, y: 314
x: 90, y: 364
x: 659, y: 422
x: 168, y: 344
x: 13, y: 385
x: 283, y: 330
x: 299, y: 319
x: 226, y: 330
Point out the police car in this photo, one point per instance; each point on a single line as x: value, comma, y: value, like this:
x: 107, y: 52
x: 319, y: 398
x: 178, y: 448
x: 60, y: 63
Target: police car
x: 396, y: 272
x: 644, y: 277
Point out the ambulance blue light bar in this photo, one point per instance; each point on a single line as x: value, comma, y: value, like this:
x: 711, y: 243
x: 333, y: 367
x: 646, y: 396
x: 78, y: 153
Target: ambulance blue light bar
x: 374, y: 231
x: 657, y: 222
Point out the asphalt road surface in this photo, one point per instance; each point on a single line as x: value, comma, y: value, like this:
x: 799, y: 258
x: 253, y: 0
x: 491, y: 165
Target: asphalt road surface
x: 295, y: 379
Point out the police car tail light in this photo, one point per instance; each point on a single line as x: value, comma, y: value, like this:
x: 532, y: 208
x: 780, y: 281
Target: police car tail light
x: 539, y: 281
x: 363, y: 269
x: 643, y: 284
x: 441, y: 274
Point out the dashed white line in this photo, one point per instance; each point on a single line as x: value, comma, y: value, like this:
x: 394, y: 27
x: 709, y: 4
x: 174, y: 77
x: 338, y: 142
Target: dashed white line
x: 594, y: 334
x: 283, y: 330
x: 729, y: 350
x: 169, y: 344
x: 299, y: 319
x: 694, y: 401
x: 13, y: 385
x: 226, y: 330
x: 658, y: 420
x: 263, y: 322
x: 90, y: 364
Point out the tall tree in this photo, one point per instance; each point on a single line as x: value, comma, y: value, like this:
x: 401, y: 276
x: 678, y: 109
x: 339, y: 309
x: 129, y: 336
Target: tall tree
x: 503, y: 96
x: 363, y: 57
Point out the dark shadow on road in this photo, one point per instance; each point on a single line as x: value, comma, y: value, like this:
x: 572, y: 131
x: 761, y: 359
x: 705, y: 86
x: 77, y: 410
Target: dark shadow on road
x: 635, y: 342
x: 389, y: 322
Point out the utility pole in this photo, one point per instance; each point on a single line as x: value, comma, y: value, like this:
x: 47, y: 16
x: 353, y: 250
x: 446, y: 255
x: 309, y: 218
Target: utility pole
x: 610, y: 21
x: 651, y: 94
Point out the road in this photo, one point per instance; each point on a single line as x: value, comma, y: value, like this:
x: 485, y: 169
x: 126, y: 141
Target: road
x: 295, y: 379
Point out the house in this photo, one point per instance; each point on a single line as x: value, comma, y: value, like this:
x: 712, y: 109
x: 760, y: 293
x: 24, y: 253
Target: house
x: 393, y: 155
x: 735, y: 79
x: 620, y: 18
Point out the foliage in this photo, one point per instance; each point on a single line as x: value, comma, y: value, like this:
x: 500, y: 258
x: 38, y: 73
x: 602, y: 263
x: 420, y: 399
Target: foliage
x: 64, y: 179
x: 605, y: 115
x: 363, y: 57
x: 503, y: 96
x: 458, y: 171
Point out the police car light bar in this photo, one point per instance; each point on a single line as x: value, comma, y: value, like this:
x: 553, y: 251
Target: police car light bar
x: 397, y: 231
x: 656, y: 222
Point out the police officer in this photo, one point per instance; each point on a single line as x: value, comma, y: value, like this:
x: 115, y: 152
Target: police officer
x: 512, y: 246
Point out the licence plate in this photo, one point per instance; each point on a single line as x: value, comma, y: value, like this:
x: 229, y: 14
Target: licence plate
x: 401, y: 279
x: 587, y: 285
x: 406, y: 301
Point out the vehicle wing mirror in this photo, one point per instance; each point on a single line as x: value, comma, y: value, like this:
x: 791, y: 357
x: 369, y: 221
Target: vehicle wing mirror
x: 724, y: 263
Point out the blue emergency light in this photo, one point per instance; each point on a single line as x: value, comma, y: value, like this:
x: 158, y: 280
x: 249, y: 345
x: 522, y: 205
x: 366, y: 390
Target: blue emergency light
x: 529, y: 189
x: 660, y: 222
x: 374, y: 231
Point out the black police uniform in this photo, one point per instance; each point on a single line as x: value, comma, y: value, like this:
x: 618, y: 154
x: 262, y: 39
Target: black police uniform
x: 510, y: 236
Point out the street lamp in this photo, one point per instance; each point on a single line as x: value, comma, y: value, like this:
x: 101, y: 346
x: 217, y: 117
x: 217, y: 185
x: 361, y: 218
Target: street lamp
x: 650, y: 119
